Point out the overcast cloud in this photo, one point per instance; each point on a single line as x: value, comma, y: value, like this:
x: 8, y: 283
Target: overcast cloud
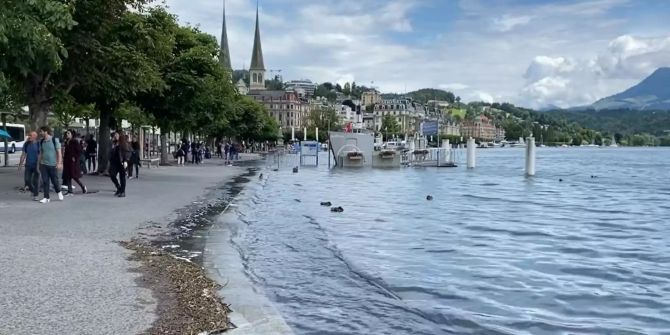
x: 532, y: 53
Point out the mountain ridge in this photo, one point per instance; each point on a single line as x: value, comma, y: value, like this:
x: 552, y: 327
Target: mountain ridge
x: 652, y: 93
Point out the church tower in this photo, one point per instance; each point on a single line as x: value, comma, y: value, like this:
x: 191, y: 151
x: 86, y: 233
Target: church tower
x: 257, y: 68
x: 224, y: 52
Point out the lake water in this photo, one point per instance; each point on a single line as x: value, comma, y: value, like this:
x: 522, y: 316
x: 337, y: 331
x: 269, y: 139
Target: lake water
x: 493, y: 253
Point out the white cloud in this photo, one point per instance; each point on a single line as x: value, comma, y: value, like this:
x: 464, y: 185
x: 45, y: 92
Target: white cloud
x: 566, y: 82
x: 507, y: 22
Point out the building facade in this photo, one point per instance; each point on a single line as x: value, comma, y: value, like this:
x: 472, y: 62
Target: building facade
x: 303, y: 84
x: 371, y: 97
x: 450, y: 128
x: 286, y: 107
x: 481, y: 128
x: 406, y: 113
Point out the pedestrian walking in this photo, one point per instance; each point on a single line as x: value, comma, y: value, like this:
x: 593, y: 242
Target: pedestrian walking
x: 29, y: 157
x: 194, y: 151
x: 226, y: 150
x: 181, y: 153
x: 134, y: 161
x: 50, y: 161
x: 219, y: 150
x: 119, y: 162
x: 71, y: 162
x: 91, y: 154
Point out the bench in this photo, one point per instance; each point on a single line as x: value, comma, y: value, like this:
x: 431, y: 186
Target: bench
x: 149, y: 161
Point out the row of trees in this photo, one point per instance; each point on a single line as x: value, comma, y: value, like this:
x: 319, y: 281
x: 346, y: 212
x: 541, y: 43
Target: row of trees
x: 120, y: 59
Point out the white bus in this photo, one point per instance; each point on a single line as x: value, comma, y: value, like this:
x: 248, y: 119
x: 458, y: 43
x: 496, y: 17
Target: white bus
x: 18, y: 134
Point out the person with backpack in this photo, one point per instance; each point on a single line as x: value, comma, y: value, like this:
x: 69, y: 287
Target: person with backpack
x: 49, y: 161
x: 118, y: 162
x: 31, y: 151
x: 71, y: 162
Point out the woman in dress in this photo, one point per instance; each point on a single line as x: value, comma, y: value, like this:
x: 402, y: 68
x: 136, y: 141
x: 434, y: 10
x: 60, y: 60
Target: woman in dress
x: 71, y: 161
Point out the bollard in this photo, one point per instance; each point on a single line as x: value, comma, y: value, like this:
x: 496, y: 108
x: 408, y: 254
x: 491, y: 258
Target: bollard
x: 447, y: 146
x: 305, y: 133
x: 317, y: 136
x: 530, y: 157
x: 471, y: 153
x: 292, y: 134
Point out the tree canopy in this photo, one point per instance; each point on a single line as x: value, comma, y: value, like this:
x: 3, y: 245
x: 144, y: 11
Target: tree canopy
x: 124, y: 60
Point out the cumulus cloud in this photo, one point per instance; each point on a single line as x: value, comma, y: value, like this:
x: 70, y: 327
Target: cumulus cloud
x: 566, y: 82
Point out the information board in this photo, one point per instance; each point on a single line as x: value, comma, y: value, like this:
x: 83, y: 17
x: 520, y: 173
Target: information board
x: 309, y: 148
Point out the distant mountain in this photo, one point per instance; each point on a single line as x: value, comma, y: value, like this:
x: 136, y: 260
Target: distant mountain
x: 653, y: 93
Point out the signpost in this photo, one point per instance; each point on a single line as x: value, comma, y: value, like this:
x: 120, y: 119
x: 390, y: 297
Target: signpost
x: 309, y: 149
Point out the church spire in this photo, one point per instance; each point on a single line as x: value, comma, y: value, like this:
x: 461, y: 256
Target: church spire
x: 224, y: 53
x: 257, y: 55
x: 257, y: 67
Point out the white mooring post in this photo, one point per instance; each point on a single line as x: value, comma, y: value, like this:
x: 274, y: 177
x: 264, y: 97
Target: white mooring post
x: 471, y: 153
x: 292, y: 134
x: 317, y: 135
x: 305, y: 133
x: 447, y: 146
x: 530, y: 156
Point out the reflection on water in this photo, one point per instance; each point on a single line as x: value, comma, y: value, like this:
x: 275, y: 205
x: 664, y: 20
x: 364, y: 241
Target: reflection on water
x: 493, y: 253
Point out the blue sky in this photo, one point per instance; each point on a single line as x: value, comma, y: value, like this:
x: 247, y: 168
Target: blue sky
x: 532, y: 53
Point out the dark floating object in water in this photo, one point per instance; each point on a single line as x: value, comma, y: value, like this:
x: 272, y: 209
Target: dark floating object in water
x: 560, y: 180
x: 594, y: 177
x: 326, y: 203
x: 297, y: 200
x: 429, y: 198
x: 295, y: 169
x: 275, y: 170
x: 337, y: 209
x: 260, y: 176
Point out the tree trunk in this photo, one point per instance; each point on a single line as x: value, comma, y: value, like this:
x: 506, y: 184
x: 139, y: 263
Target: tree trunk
x: 164, y: 148
x: 39, y: 103
x: 38, y: 108
x: 104, y: 143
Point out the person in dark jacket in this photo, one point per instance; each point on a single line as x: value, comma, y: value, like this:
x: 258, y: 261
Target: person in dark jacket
x: 118, y: 162
x: 194, y: 151
x: 134, y: 159
x: 182, y: 152
x: 71, y: 161
x: 91, y: 154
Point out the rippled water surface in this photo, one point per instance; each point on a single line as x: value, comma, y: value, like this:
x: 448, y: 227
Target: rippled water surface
x: 493, y: 253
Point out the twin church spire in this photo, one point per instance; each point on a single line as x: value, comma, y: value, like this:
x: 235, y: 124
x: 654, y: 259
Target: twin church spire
x: 257, y: 67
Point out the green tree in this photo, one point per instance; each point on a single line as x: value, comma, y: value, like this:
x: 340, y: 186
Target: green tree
x: 118, y: 62
x: 32, y: 50
x: 197, y: 94
x: 323, y: 118
x: 390, y: 126
x: 66, y: 109
x: 347, y: 89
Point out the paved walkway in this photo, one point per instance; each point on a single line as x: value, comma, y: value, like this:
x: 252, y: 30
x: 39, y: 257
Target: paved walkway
x: 63, y: 273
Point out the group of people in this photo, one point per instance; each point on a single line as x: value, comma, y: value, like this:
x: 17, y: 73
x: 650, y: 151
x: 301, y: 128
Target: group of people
x: 43, y: 154
x: 229, y: 151
x: 195, y: 150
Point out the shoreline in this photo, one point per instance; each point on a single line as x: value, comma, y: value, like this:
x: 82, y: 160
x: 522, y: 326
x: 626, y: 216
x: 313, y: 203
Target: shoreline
x: 66, y: 253
x: 252, y: 311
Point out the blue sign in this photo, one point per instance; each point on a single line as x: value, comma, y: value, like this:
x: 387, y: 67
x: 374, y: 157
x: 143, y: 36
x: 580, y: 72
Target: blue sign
x: 430, y: 128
